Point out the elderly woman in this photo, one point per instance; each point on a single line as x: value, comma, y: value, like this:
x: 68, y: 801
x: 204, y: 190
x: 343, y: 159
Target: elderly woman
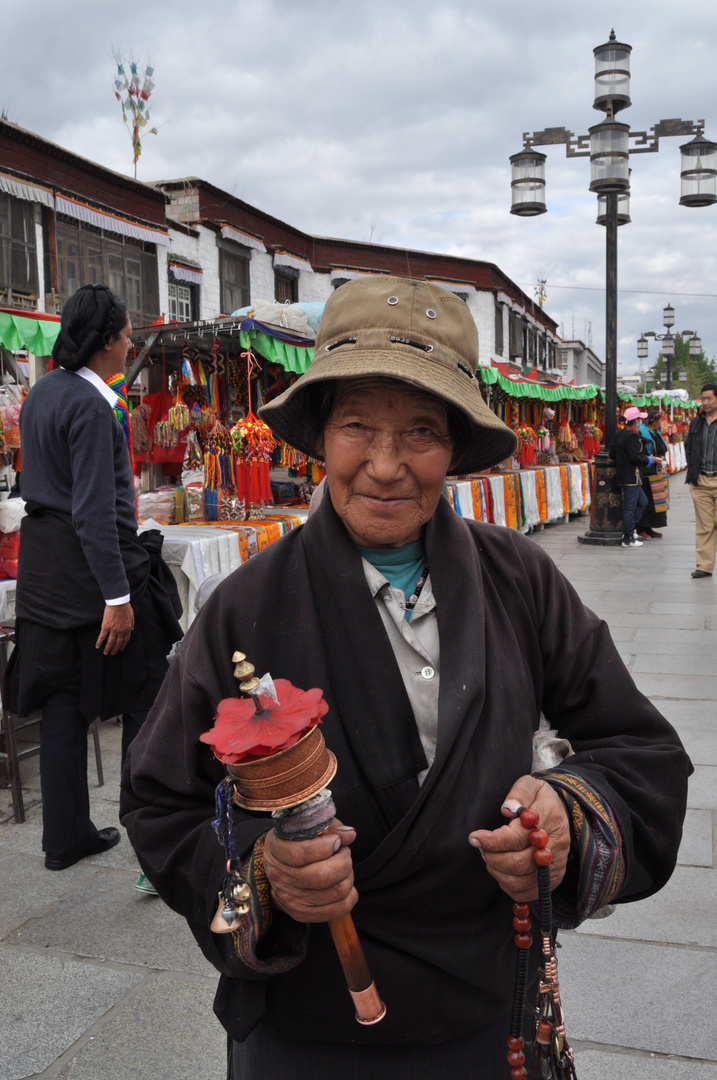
x: 437, y: 643
x: 94, y: 618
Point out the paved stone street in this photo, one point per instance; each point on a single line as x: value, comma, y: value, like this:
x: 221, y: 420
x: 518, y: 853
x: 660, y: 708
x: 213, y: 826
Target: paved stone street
x: 102, y: 983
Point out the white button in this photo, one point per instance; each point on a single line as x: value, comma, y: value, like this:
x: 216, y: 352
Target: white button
x: 427, y: 672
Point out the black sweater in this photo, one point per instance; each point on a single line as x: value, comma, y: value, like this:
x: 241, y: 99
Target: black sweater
x: 75, y: 460
x: 629, y: 456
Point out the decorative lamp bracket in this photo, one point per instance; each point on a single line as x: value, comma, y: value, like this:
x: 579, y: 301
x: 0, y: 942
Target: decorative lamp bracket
x: 575, y: 146
x: 644, y: 142
x: 663, y: 129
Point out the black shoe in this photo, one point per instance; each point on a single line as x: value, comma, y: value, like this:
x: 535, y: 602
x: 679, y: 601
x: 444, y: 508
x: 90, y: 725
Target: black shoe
x: 106, y: 839
x: 701, y: 573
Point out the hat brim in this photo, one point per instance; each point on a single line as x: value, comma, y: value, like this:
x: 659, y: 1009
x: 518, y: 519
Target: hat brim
x: 491, y: 441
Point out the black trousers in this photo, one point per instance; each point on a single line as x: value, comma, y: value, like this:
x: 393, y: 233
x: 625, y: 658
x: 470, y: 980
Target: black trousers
x: 66, y: 822
x: 265, y: 1056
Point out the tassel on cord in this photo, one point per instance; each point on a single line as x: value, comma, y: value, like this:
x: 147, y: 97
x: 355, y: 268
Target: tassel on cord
x: 223, y: 824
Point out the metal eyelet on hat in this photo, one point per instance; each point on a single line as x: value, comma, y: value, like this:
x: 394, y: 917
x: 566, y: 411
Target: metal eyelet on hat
x: 393, y: 300
x: 430, y: 313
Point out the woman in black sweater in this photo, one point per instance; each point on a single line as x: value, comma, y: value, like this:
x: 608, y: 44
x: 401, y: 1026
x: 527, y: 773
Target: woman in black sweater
x: 94, y: 624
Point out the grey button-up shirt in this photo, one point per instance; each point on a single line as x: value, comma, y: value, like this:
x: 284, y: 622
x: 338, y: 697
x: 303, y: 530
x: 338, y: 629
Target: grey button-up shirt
x: 416, y: 648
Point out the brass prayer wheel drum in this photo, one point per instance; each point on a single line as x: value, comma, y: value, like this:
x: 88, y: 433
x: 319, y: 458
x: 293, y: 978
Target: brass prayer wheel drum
x: 287, y: 778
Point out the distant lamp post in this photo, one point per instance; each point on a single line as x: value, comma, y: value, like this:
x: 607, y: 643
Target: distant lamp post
x: 609, y: 146
x: 667, y: 343
x: 683, y: 375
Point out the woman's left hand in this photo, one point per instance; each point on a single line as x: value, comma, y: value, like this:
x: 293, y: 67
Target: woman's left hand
x: 508, y: 853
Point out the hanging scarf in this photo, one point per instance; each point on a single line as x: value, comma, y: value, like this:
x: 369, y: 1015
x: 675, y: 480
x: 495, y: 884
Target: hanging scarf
x: 118, y: 386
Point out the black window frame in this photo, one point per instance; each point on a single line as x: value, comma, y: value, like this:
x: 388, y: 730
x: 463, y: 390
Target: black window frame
x: 88, y: 255
x: 286, y: 285
x: 498, y: 334
x: 18, y: 246
x: 234, y: 255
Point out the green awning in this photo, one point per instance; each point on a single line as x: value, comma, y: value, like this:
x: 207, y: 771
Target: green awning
x: 37, y: 335
x: 295, y: 358
x: 491, y: 376
x: 657, y: 401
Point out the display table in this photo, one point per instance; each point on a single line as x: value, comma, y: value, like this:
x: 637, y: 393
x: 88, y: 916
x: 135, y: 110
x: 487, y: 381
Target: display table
x: 525, y: 498
x: 196, y: 552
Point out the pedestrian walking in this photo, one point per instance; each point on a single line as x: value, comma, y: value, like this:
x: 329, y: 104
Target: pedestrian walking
x: 701, y: 452
x: 629, y: 459
x: 653, y: 475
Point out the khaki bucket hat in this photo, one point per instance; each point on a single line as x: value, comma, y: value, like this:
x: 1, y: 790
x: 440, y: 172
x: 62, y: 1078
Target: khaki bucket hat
x: 402, y: 329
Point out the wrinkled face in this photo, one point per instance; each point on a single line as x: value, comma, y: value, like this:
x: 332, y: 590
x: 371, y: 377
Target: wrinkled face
x: 118, y: 347
x: 387, y: 449
x: 709, y: 402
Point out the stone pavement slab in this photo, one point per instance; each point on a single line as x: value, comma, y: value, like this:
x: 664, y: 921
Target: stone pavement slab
x: 696, y: 687
x: 703, y: 788
x: 107, y: 917
x: 28, y: 889
x: 700, y: 745
x: 648, y: 997
x: 46, y: 1004
x: 680, y: 914
x: 696, y: 848
x: 594, y: 1065
x: 165, y: 1028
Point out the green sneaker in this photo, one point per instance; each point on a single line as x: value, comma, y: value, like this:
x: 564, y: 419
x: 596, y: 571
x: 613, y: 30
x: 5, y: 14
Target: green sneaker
x: 144, y: 885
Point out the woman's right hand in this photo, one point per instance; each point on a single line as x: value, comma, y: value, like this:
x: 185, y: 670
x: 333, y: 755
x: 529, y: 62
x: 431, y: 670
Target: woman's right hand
x: 312, y: 880
x: 117, y: 625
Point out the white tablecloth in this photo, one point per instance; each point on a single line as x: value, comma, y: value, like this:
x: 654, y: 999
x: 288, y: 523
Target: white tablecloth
x: 195, y: 553
x: 7, y: 599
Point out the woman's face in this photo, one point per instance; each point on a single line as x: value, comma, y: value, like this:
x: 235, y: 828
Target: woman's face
x: 118, y: 347
x: 387, y: 449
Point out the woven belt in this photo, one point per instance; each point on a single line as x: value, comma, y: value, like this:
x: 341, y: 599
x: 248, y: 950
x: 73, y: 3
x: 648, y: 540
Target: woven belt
x: 710, y: 474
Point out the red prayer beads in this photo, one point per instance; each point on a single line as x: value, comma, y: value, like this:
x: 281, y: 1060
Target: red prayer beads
x: 547, y: 1030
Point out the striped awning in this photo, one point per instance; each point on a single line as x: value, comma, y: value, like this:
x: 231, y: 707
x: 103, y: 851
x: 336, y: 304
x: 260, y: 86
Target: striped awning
x: 102, y: 219
x: 230, y: 232
x: 464, y: 287
x: 186, y: 273
x: 21, y: 189
x: 292, y: 262
x: 340, y: 273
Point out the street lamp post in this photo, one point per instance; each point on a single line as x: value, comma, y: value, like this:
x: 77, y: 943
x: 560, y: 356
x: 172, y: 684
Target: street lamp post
x: 609, y: 145
x: 668, y: 342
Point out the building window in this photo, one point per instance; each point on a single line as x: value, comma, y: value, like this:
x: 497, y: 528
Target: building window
x: 515, y: 327
x: 87, y: 255
x: 181, y: 308
x: 499, y: 329
x: 234, y: 276
x: 286, y: 286
x: 18, y: 250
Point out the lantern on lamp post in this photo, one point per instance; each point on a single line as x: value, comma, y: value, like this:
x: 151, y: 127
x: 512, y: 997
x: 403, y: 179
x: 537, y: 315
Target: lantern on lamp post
x: 699, y: 172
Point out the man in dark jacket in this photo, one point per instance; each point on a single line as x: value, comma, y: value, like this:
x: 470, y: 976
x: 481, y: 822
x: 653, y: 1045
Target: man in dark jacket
x: 629, y: 457
x: 701, y: 452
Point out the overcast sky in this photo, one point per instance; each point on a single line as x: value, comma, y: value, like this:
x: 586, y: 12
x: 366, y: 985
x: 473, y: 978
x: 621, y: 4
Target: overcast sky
x: 394, y: 122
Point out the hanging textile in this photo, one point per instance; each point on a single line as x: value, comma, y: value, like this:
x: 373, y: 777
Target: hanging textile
x: 529, y: 498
